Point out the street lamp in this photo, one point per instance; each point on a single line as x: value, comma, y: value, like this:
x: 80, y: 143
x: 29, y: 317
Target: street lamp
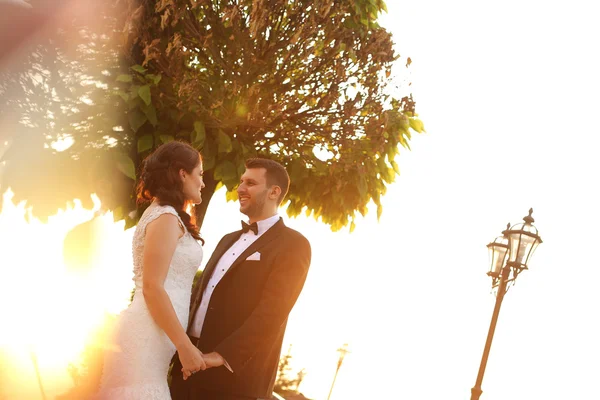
x: 343, y: 351
x: 509, y: 255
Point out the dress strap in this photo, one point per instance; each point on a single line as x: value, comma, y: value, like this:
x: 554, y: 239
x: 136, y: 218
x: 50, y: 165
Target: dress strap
x: 158, y: 210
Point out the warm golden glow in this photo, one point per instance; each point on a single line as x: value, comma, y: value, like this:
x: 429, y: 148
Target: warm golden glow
x: 501, y: 89
x: 52, y: 297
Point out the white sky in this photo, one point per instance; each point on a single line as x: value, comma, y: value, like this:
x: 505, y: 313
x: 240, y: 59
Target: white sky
x: 509, y: 96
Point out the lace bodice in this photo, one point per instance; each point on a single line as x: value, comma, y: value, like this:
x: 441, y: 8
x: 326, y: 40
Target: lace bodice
x: 185, y: 261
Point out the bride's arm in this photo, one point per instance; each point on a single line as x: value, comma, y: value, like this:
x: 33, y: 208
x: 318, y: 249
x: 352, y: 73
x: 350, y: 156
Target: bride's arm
x: 160, y: 242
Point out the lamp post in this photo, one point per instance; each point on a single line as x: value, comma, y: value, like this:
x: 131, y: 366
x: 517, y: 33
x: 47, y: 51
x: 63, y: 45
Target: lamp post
x: 37, y: 373
x: 509, y: 256
x: 343, y: 351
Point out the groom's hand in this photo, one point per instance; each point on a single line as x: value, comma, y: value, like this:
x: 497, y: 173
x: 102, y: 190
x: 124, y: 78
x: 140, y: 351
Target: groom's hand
x: 213, y: 359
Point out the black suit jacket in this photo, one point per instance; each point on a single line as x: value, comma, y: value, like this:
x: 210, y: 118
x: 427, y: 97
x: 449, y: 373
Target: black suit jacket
x: 247, y: 314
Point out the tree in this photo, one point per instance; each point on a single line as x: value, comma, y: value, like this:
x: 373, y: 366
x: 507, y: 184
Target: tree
x: 56, y: 89
x: 286, y: 383
x: 302, y: 82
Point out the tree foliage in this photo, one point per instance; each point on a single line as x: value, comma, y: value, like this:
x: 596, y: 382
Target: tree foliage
x: 56, y: 90
x: 303, y: 82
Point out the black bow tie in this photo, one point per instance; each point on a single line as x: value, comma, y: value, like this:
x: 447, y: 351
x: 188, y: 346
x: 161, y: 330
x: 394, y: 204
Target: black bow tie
x: 252, y: 227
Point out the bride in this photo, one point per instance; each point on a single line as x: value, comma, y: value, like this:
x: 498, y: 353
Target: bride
x: 166, y: 256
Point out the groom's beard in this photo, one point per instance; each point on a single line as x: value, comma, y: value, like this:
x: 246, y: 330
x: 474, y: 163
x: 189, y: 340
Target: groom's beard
x: 256, y: 206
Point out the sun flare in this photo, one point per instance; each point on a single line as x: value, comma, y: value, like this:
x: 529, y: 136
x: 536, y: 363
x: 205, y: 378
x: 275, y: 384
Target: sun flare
x: 60, y: 281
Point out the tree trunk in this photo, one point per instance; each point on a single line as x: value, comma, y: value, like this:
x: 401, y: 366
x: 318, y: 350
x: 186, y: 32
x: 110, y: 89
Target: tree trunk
x: 207, y: 193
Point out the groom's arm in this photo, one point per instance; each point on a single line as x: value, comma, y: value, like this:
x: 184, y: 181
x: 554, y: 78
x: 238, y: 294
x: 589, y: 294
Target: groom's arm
x: 279, y: 295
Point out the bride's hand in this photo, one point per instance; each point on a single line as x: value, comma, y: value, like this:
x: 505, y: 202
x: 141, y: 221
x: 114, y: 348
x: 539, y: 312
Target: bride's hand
x: 191, y: 360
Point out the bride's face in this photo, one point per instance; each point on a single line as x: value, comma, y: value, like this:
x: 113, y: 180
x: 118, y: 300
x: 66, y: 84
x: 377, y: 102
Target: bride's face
x: 193, y: 184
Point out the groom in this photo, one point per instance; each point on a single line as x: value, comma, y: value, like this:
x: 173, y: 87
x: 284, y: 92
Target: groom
x: 239, y: 308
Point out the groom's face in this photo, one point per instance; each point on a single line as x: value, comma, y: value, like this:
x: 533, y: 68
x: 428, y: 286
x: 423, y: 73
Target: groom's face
x: 253, y: 191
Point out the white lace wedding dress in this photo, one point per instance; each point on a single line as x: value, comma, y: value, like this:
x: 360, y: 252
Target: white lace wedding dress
x: 137, y: 367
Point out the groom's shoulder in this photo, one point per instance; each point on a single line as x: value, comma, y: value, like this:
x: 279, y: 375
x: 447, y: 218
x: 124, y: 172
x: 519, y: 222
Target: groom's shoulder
x: 230, y: 234
x: 226, y: 237
x: 295, y: 236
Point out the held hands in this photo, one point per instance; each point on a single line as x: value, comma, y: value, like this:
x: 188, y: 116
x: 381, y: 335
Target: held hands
x: 191, y: 359
x: 210, y: 360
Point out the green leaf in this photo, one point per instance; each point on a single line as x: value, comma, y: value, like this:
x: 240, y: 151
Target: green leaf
x: 150, y: 113
x: 154, y: 78
x: 231, y: 195
x: 417, y: 125
x: 183, y: 134
x: 129, y: 222
x: 241, y: 110
x: 224, y: 142
x: 404, y: 143
x: 381, y: 165
x: 124, y: 78
x: 199, y: 135
x: 166, y: 138
x: 118, y: 214
x: 122, y: 94
x: 362, y: 187
x: 241, y: 168
x: 145, y: 143
x: 352, y: 56
x: 144, y: 92
x: 138, y: 68
x: 136, y: 119
x: 395, y: 166
x: 133, y: 94
x: 126, y: 166
x: 208, y: 162
x: 385, y: 172
x: 225, y: 171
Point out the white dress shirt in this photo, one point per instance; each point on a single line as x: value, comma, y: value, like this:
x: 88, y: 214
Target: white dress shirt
x: 225, y: 262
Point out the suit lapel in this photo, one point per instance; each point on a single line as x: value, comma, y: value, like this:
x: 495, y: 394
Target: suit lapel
x: 216, y: 256
x: 224, y: 245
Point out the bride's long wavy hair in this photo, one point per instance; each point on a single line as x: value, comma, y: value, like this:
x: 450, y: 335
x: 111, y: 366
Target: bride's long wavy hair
x: 159, y: 179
